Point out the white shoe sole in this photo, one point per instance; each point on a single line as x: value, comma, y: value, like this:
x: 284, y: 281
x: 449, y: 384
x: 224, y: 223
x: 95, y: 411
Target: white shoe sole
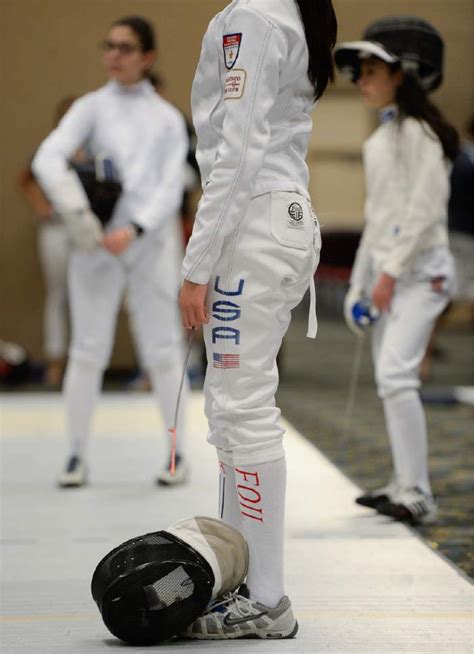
x: 179, y: 478
x: 75, y: 480
x: 263, y: 634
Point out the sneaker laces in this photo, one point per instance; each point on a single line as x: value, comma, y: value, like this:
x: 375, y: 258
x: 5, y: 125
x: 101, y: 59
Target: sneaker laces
x: 411, y: 495
x: 416, y: 502
x: 232, y: 601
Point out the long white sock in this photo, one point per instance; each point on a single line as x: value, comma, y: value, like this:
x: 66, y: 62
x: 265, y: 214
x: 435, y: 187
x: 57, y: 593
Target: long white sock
x: 261, y: 497
x: 81, y: 388
x: 406, y: 426
x: 165, y: 383
x: 229, y: 510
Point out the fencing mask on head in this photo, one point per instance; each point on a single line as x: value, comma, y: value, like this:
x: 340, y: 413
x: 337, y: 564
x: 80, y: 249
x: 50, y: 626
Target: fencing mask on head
x: 409, y: 40
x: 152, y: 587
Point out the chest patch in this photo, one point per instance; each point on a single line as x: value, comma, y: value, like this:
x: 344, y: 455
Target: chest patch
x: 231, y: 46
x: 234, y: 84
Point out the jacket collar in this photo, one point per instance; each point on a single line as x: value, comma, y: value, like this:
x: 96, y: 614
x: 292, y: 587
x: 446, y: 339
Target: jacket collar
x: 388, y: 113
x: 143, y: 87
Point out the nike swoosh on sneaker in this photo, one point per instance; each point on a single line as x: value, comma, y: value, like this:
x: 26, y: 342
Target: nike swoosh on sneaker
x: 231, y: 622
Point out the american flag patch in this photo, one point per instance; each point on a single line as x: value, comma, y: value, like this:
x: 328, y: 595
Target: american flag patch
x: 226, y: 360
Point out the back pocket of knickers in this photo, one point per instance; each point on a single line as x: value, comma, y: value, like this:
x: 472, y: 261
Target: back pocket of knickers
x: 291, y: 220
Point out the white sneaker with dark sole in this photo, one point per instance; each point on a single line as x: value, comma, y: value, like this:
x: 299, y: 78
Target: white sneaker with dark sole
x: 236, y: 616
x: 412, y: 506
x: 74, y: 474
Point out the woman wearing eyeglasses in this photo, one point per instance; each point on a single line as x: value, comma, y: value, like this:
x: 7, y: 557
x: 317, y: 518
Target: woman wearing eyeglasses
x: 141, y: 141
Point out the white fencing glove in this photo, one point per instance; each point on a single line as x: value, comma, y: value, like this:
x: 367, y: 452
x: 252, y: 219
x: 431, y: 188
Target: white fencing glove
x: 83, y: 227
x: 358, y: 312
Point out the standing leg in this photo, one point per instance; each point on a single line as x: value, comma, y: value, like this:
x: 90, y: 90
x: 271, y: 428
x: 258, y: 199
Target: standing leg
x: 54, y: 255
x: 82, y: 383
x: 414, y: 310
x: 256, y: 284
x: 153, y: 304
x: 252, y: 500
x: 261, y: 491
x: 378, y: 334
x: 406, y: 426
x: 262, y: 274
x: 96, y: 283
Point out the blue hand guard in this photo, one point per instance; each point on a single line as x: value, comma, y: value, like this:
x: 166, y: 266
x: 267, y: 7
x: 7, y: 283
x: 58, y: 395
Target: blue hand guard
x: 364, y: 314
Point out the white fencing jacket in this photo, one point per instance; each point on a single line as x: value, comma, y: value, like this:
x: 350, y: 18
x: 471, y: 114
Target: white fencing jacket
x: 407, y: 179
x: 143, y: 135
x: 251, y: 103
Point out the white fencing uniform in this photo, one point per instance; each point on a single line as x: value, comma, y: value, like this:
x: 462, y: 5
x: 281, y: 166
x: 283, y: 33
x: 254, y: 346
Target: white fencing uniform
x: 145, y: 137
x: 253, y: 123
x: 256, y: 243
x: 54, y: 252
x: 406, y: 237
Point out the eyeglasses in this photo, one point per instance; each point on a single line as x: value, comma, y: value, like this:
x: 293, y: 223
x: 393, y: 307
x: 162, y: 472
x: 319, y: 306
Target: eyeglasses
x: 123, y: 47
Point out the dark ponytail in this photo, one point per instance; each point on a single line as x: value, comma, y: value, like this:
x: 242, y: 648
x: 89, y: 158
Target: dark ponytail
x: 413, y: 101
x: 320, y: 26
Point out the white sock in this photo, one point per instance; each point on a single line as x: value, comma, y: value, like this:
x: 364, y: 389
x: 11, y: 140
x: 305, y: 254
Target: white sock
x: 406, y: 426
x: 261, y: 498
x: 229, y: 510
x: 81, y: 388
x: 165, y: 383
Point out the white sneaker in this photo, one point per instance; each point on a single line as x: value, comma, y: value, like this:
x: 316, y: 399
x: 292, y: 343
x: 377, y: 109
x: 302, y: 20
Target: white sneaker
x: 411, y: 505
x: 236, y: 616
x: 180, y: 475
x: 74, y: 474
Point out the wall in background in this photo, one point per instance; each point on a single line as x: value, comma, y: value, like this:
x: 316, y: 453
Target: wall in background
x: 49, y: 50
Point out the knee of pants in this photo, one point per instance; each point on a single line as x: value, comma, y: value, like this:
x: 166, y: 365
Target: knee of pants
x: 392, y: 379
x: 92, y: 351
x: 161, y: 357
x: 246, y: 437
x: 256, y: 450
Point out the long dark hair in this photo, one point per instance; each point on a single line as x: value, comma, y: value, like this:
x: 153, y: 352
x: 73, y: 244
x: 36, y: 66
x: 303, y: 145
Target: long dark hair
x: 320, y: 26
x: 143, y: 31
x: 413, y: 101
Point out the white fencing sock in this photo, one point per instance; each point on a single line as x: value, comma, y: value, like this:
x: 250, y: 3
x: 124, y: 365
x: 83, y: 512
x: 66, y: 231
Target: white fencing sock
x: 229, y: 510
x: 165, y: 383
x: 261, y: 493
x: 406, y: 426
x: 81, y: 388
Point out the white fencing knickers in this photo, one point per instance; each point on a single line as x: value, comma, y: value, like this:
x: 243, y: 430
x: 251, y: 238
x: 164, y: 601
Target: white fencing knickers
x: 399, y: 341
x: 400, y: 337
x: 265, y: 267
x: 149, y: 272
x: 54, y: 252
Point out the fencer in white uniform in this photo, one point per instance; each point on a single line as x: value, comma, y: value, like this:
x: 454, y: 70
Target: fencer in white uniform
x: 145, y: 139
x: 252, y: 255
x: 53, y: 251
x: 403, y: 264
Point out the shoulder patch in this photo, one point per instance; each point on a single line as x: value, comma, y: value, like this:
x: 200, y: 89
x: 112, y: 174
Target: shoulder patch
x: 231, y: 45
x: 234, y: 84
